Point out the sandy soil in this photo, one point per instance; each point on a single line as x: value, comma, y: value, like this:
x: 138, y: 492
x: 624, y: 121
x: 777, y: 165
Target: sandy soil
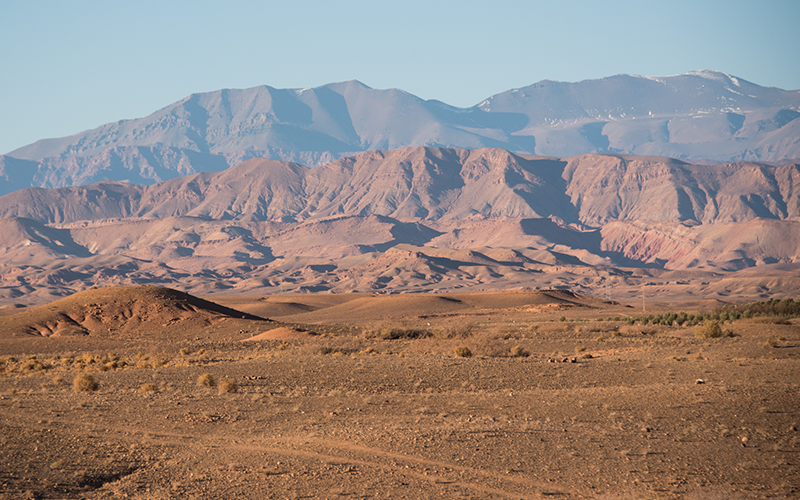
x: 363, y: 396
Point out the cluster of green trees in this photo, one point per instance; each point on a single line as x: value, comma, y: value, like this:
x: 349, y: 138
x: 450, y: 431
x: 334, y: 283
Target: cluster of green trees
x: 787, y: 308
x: 680, y: 319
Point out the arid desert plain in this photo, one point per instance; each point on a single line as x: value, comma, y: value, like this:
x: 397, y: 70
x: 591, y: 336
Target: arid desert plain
x: 146, y: 392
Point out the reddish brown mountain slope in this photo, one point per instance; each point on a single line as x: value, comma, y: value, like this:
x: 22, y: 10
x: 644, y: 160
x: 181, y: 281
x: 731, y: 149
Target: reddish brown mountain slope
x: 407, y: 220
x: 441, y: 184
x: 614, y: 187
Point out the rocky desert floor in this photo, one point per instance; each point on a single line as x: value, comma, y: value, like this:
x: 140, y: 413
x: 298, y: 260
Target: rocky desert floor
x: 373, y: 396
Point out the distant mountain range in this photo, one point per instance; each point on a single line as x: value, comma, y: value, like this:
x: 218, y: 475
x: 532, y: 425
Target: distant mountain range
x: 415, y: 219
x: 703, y: 115
x: 436, y: 185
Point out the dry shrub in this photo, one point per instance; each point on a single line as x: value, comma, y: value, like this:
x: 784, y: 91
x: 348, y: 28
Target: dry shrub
x: 488, y: 344
x: 84, y: 383
x: 636, y: 330
x: 393, y: 333
x: 206, y: 380
x: 336, y: 347
x: 519, y: 352
x: 595, y: 327
x: 710, y: 329
x: 148, y: 388
x: 456, y: 330
x: 228, y: 385
x: 463, y: 352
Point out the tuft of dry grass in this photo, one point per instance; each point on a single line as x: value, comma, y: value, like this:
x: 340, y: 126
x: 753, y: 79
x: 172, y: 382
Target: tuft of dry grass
x: 84, y: 382
x: 206, y: 380
x: 463, y: 352
x: 227, y: 386
x: 148, y: 389
x: 519, y: 352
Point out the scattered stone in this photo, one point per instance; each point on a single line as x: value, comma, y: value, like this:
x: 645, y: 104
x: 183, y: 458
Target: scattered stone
x: 699, y: 381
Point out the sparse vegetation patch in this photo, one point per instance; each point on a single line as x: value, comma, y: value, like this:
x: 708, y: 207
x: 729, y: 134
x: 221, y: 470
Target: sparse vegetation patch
x: 780, y: 310
x: 84, y: 382
x: 403, y: 333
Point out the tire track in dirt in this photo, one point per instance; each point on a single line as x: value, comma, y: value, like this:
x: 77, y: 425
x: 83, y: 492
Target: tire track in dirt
x: 373, y: 458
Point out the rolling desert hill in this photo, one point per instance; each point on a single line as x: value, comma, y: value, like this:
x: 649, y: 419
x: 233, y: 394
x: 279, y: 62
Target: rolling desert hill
x: 417, y: 219
x: 119, y: 312
x: 704, y: 115
x: 370, y: 310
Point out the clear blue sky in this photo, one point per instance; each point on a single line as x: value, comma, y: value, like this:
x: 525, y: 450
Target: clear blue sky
x: 68, y: 66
